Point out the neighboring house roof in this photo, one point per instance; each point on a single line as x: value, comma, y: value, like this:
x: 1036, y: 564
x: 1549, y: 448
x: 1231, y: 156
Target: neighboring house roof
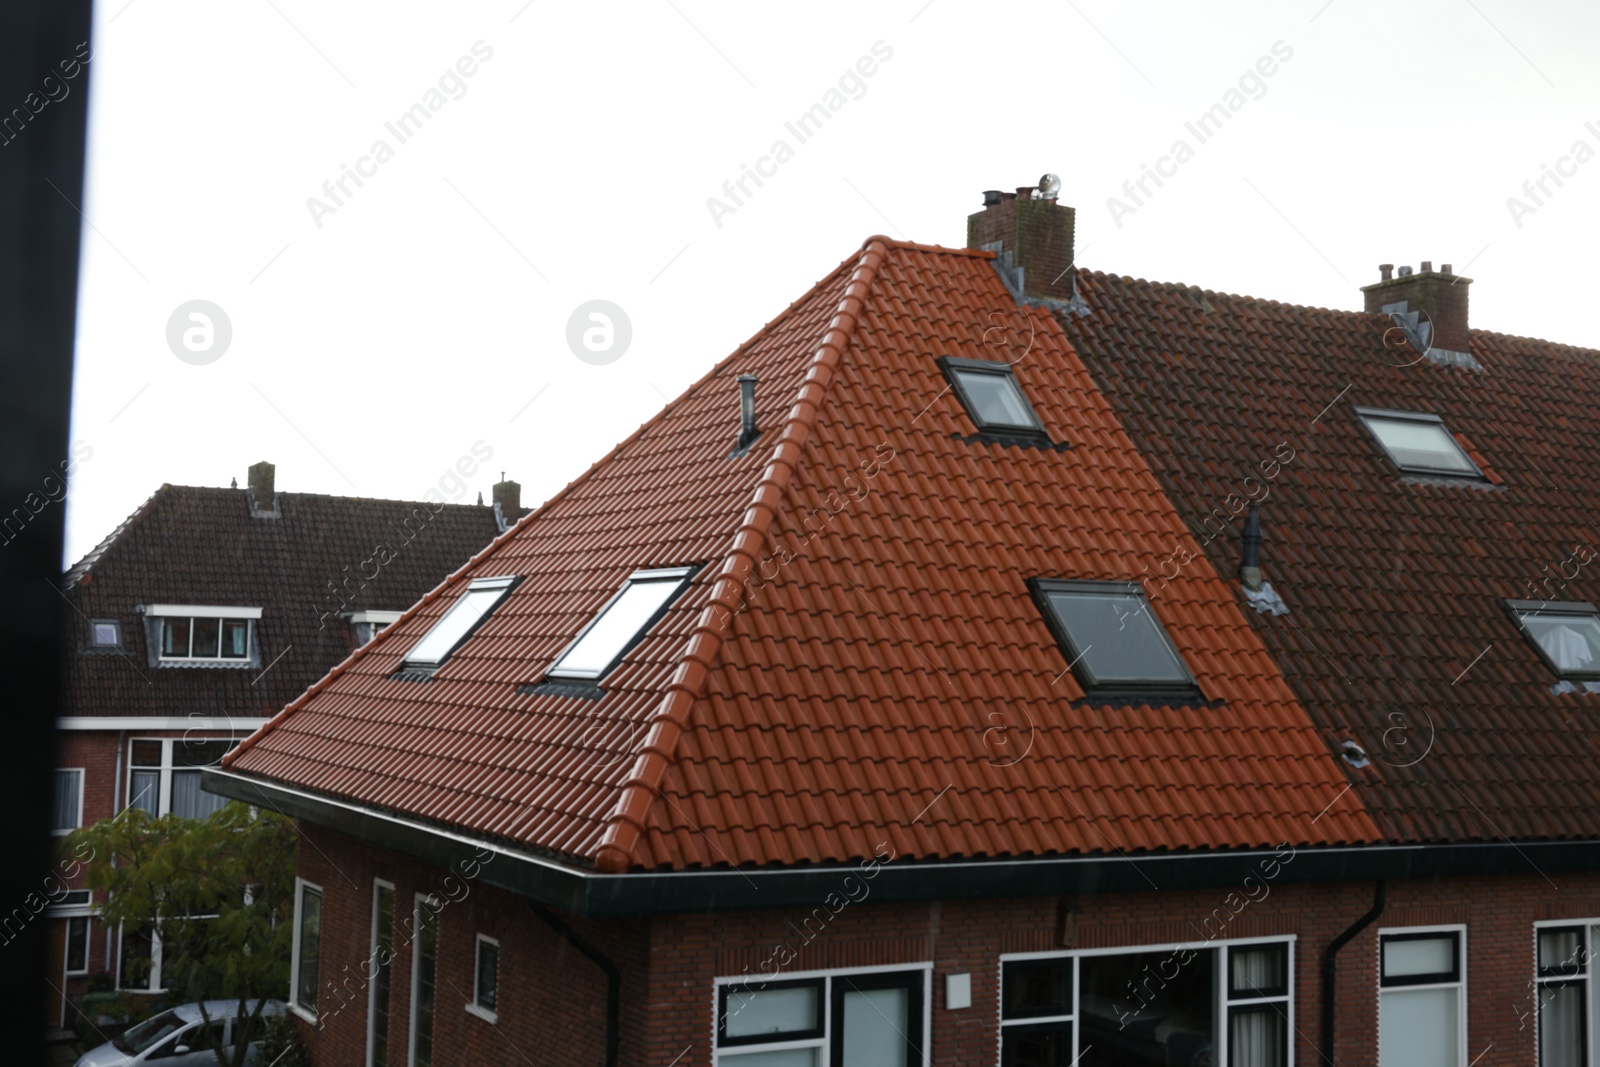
x: 891, y: 682
x: 1397, y: 635
x: 202, y: 546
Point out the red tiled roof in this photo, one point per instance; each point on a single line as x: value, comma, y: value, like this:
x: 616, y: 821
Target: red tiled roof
x: 1397, y: 636
x: 891, y: 681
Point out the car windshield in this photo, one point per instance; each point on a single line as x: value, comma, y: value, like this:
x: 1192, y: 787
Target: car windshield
x: 146, y: 1034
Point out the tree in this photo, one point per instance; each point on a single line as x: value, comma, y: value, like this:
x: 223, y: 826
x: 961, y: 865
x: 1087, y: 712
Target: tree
x: 218, y: 892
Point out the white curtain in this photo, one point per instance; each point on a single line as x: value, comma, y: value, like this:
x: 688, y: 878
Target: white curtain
x: 1256, y: 970
x: 65, y: 811
x: 189, y: 801
x: 1256, y: 1038
x: 1561, y: 1025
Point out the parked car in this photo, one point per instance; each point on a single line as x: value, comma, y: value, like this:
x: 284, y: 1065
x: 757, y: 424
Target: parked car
x: 177, y: 1037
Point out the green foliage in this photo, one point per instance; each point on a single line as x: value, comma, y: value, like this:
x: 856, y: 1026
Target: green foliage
x: 219, y: 891
x: 281, y: 1045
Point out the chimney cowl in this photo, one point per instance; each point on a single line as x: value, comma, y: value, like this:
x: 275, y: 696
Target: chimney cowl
x: 1386, y: 272
x: 991, y: 197
x: 1025, y: 192
x: 1427, y: 266
x: 1405, y: 272
x: 1032, y: 238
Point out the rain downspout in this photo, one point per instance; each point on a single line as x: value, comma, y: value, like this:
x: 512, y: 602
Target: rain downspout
x: 1330, y: 965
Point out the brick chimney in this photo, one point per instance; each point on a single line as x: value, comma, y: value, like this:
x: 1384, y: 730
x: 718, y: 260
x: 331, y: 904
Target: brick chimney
x: 507, y: 502
x: 1035, y: 230
x: 1440, y: 295
x: 262, y: 491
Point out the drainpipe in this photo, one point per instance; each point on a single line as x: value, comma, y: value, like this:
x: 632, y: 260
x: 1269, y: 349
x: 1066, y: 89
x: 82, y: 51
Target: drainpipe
x: 599, y: 959
x: 1330, y: 966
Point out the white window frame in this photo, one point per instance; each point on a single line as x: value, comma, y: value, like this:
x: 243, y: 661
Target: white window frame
x: 417, y: 905
x: 502, y: 583
x: 1460, y: 986
x: 56, y: 831
x: 166, y: 770
x: 679, y: 577
x: 730, y: 1055
x: 88, y: 947
x: 491, y: 1015
x: 154, y: 984
x: 1222, y: 1001
x: 378, y: 885
x: 301, y: 885
x: 1591, y: 945
x: 1369, y: 415
x: 114, y: 645
x: 376, y: 621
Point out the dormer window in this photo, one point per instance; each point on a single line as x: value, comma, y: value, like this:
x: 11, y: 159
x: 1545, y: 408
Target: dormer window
x: 621, y: 623
x: 992, y: 397
x: 202, y: 635
x: 482, y: 596
x: 1565, y: 633
x: 1112, y: 641
x: 365, y: 625
x: 1418, y: 443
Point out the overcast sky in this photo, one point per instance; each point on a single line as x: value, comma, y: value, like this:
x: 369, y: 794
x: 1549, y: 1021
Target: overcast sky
x: 376, y: 338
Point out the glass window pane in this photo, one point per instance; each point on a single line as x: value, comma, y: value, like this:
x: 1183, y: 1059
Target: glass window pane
x: 189, y: 753
x: 137, y: 949
x: 794, y: 1057
x: 189, y: 801
x: 1561, y: 951
x: 1037, y: 987
x: 1571, y: 641
x: 1418, y: 1028
x: 455, y: 624
x: 1258, y: 1037
x: 78, y: 944
x: 105, y: 633
x: 488, y: 974
x: 64, y: 806
x: 235, y: 638
x: 1415, y: 443
x: 616, y: 628
x: 144, y: 791
x: 206, y: 633
x: 382, y: 961
x: 146, y: 754
x: 1257, y: 971
x: 877, y: 1027
x: 772, y: 1011
x: 175, y: 637
x: 1561, y: 1033
x: 1118, y: 638
x: 305, y: 987
x: 1414, y: 956
x: 427, y: 957
x: 1147, y: 1009
x: 996, y: 399
x: 1046, y: 1046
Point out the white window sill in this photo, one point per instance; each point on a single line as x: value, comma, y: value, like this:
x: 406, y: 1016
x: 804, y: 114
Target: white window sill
x: 204, y: 661
x: 483, y: 1013
x: 308, y: 1016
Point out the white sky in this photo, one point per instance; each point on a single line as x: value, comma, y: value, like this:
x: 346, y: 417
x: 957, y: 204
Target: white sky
x: 377, y: 349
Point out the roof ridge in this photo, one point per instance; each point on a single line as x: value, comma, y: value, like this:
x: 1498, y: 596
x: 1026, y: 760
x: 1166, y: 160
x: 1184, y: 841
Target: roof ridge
x: 625, y: 825
x: 511, y: 531
x: 75, y: 573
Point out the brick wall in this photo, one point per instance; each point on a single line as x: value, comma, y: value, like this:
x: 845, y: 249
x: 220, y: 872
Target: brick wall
x: 552, y: 998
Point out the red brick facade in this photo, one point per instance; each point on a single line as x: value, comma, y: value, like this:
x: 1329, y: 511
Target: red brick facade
x: 552, y: 999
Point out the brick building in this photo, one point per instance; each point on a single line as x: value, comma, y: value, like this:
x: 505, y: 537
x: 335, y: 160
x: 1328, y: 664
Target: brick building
x: 994, y: 662
x: 265, y: 592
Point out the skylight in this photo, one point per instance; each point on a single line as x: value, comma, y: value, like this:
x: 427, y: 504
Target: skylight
x: 621, y: 623
x: 457, y: 624
x: 1565, y: 633
x: 992, y: 397
x: 1110, y: 637
x: 1418, y: 444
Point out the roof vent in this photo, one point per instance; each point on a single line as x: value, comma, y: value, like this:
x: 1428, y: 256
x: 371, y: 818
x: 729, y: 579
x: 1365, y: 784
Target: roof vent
x: 748, y: 432
x: 1354, y: 754
x: 991, y: 197
x: 1250, y: 551
x: 1405, y: 272
x: 1049, y: 187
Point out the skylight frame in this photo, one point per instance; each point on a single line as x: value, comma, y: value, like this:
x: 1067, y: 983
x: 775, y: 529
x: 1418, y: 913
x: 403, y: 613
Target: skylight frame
x: 679, y: 576
x: 954, y: 367
x: 1075, y: 654
x: 503, y: 583
x: 1575, y: 609
x: 1366, y: 417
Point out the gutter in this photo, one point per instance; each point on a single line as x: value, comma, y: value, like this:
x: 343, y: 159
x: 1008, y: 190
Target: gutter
x: 585, y: 891
x: 1330, y: 966
x: 613, y: 977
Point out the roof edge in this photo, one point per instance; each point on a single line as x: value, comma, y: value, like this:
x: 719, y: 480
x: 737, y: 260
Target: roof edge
x: 626, y: 824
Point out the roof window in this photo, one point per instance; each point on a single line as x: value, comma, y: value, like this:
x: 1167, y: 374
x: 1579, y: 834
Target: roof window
x: 1418, y: 443
x: 1565, y: 633
x: 1112, y: 641
x: 992, y: 397
x: 459, y: 623
x: 624, y: 619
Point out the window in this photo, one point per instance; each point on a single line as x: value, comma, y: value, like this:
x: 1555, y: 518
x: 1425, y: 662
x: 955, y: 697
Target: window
x: 187, y: 635
x: 623, y: 620
x: 105, y: 633
x: 1565, y: 633
x: 846, y: 1019
x: 458, y: 623
x: 139, y: 966
x: 992, y: 397
x: 1420, y: 1018
x: 424, y: 965
x: 365, y: 625
x: 66, y: 801
x: 486, y: 979
x: 77, y: 948
x: 1418, y: 444
x: 1149, y: 1007
x: 164, y: 775
x: 382, y: 961
x: 1111, y: 638
x: 307, y: 948
x: 1566, y: 1006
